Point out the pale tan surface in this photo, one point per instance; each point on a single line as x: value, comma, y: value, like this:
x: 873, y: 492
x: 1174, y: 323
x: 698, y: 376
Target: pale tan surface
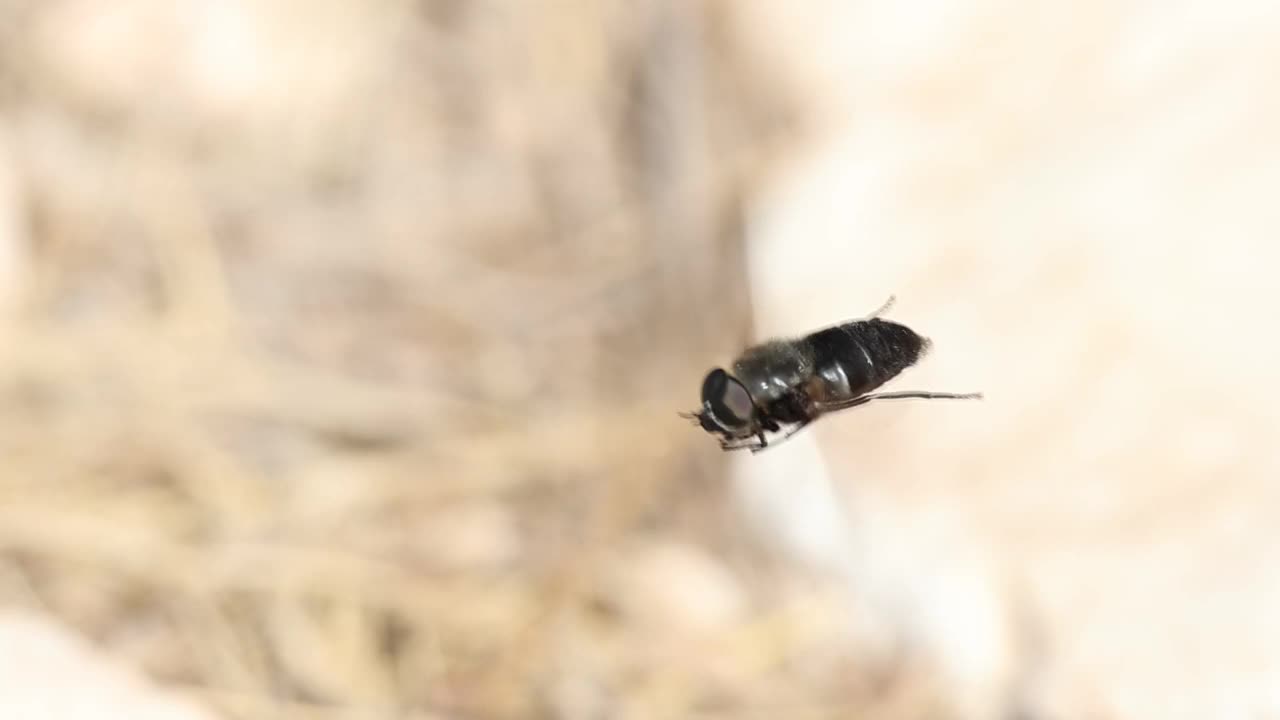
x: 341, y: 347
x: 48, y: 674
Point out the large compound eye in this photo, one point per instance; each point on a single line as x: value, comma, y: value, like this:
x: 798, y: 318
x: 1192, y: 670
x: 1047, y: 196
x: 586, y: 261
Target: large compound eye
x: 726, y: 400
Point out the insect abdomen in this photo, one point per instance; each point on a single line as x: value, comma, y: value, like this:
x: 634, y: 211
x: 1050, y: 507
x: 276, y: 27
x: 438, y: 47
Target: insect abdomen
x: 871, y: 352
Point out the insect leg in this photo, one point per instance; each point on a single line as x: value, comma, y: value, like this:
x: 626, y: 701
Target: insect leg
x: 799, y: 426
x: 904, y: 395
x: 755, y: 443
x: 740, y: 444
x: 884, y: 308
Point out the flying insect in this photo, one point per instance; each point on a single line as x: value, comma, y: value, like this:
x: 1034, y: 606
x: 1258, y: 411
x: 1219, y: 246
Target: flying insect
x: 785, y: 384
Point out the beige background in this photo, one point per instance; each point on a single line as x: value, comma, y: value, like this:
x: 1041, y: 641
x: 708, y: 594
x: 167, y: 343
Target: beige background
x: 341, y: 345
x: 1075, y: 202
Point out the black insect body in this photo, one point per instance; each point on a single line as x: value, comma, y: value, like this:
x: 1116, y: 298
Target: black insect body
x: 790, y: 383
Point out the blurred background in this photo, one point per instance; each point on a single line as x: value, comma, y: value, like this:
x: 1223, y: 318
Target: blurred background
x: 341, y: 346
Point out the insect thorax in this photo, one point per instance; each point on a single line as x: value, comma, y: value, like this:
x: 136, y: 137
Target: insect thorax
x: 773, y: 369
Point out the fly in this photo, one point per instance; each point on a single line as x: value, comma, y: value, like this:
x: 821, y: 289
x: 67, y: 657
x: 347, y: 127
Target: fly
x: 788, y: 383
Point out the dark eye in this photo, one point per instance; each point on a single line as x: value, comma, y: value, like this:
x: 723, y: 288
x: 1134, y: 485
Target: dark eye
x: 726, y: 400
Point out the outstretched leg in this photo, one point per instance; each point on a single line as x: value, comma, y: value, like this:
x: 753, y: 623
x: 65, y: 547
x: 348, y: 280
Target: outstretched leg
x: 832, y: 407
x: 904, y: 395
